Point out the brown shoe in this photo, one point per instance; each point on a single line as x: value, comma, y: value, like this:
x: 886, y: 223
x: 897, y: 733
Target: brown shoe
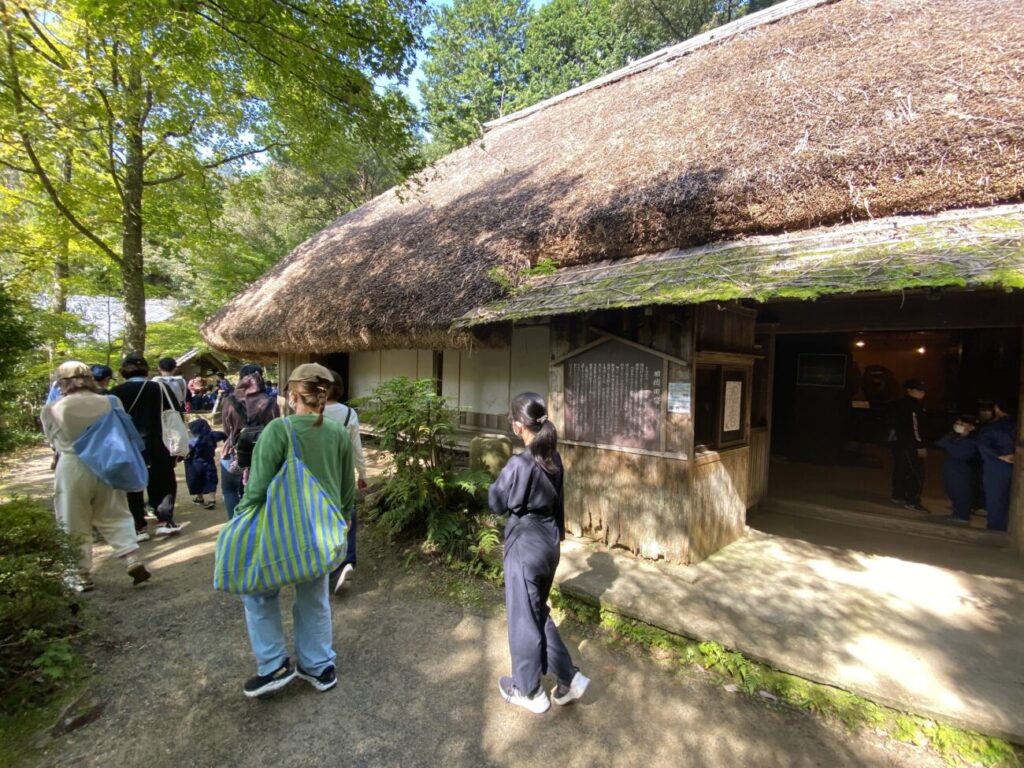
x: 138, y: 573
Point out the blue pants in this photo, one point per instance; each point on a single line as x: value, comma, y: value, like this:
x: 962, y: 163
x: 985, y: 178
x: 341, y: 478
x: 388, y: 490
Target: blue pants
x: 531, y: 557
x: 312, y: 616
x: 996, y: 477
x: 230, y: 487
x: 956, y: 480
x: 350, y: 544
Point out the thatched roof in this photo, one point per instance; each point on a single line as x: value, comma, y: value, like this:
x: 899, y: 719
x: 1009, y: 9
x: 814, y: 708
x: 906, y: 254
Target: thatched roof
x: 841, y: 112
x: 965, y: 248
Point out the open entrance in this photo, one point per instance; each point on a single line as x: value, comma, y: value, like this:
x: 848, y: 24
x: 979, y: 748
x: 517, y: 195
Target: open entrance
x: 830, y: 426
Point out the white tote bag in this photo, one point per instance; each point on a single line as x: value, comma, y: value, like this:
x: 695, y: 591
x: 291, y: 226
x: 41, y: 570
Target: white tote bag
x: 175, y: 433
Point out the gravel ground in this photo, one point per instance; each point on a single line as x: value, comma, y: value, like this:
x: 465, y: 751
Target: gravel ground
x: 419, y: 654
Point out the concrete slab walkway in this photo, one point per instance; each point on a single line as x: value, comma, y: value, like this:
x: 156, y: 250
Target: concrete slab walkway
x: 920, y: 638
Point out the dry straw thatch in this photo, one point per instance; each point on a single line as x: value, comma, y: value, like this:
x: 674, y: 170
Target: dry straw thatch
x: 846, y: 111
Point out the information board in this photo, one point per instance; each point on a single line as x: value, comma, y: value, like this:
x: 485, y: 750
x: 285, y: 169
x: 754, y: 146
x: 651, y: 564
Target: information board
x: 613, y: 396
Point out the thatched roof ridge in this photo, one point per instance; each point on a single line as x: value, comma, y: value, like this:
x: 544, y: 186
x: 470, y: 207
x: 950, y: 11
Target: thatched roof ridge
x: 845, y: 111
x: 964, y: 248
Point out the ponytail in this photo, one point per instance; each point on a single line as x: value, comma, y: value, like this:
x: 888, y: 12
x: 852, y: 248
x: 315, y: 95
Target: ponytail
x: 313, y: 395
x: 529, y: 410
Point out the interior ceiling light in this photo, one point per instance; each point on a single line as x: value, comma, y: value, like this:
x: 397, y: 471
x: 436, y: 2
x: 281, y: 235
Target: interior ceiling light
x: 921, y: 350
x: 860, y: 343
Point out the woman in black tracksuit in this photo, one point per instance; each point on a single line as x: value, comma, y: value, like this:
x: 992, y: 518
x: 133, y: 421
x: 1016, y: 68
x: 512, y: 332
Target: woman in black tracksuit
x: 529, y: 490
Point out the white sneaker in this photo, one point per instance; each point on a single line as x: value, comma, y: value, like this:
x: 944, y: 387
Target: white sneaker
x: 167, y: 529
x: 538, y: 703
x: 142, y: 536
x: 566, y: 694
x: 346, y: 572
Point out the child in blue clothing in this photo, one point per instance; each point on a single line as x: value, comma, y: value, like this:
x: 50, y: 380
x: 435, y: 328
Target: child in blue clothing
x: 201, y: 462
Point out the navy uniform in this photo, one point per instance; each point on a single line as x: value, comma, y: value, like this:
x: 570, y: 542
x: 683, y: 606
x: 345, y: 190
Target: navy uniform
x: 957, y: 474
x: 532, y: 498
x: 994, y: 440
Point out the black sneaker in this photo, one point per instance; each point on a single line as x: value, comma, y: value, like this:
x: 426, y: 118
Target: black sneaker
x: 261, y: 685
x: 322, y: 682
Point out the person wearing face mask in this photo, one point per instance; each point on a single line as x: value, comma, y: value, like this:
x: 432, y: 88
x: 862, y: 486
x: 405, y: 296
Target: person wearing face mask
x: 961, y: 448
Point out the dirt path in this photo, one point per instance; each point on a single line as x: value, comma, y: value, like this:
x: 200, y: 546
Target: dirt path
x: 419, y: 656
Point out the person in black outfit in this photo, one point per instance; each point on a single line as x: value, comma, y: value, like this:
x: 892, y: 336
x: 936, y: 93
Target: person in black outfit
x: 145, y: 401
x: 908, y: 449
x: 529, y: 491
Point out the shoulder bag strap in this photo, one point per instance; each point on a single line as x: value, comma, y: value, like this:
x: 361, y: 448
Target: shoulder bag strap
x: 164, y: 397
x: 137, y: 396
x: 293, y: 440
x: 348, y: 416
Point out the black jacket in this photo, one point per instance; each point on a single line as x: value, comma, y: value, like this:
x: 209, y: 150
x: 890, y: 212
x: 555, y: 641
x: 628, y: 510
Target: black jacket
x: 905, y: 416
x: 146, y: 411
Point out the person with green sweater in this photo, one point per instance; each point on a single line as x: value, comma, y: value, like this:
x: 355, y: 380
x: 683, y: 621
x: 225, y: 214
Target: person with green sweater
x: 325, y: 449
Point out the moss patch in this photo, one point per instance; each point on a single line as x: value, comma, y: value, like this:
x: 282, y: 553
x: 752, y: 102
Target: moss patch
x: 776, y: 688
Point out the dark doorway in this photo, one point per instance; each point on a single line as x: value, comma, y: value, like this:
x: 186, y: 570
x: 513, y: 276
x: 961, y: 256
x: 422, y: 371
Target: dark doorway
x: 830, y: 405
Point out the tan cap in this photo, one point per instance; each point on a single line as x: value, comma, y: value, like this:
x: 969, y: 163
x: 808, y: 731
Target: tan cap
x: 73, y: 369
x: 310, y: 372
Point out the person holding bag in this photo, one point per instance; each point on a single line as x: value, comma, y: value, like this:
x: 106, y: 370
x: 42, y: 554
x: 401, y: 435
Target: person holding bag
x: 145, y: 401
x: 82, y: 499
x: 325, y: 475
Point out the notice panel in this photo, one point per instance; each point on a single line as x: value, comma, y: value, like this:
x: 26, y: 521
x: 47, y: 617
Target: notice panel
x: 613, y: 396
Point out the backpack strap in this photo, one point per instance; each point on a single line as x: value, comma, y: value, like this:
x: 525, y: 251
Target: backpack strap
x: 348, y: 416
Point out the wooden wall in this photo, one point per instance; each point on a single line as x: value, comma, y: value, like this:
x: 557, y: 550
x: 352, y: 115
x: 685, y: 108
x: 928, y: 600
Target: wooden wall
x: 760, y: 460
x: 717, y: 512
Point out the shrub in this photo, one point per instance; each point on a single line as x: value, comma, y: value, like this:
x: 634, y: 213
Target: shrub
x: 38, y: 613
x: 424, y: 493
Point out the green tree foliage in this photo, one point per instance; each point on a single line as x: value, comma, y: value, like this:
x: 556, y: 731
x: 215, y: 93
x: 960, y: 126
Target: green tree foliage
x: 17, y: 338
x: 117, y: 116
x: 473, y: 71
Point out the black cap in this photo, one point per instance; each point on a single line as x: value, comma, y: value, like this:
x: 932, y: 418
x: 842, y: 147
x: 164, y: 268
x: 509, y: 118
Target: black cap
x: 134, y: 360
x: 917, y: 384
x: 100, y: 372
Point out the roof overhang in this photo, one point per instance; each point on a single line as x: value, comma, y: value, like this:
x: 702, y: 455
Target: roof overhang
x: 967, y: 248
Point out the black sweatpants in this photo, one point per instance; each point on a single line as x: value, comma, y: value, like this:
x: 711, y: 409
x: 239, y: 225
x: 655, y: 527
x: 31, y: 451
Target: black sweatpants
x: 531, y: 557
x: 162, y: 483
x: 907, y: 473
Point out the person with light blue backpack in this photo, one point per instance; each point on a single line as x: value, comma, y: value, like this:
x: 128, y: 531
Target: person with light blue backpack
x: 261, y: 548
x: 83, y: 499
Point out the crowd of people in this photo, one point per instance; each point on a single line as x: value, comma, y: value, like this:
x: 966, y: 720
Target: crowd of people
x: 252, y: 453
x: 978, y: 469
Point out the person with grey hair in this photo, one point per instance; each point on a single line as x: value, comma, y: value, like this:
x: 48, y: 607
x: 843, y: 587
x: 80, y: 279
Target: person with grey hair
x: 82, y: 501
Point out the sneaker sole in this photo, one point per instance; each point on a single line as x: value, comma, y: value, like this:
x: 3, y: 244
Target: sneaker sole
x: 139, y: 574
x: 273, y: 685
x: 575, y: 691
x: 316, y: 683
x: 539, y: 708
x: 342, y: 578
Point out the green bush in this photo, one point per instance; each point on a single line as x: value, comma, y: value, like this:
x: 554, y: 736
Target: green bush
x: 424, y: 493
x: 38, y: 613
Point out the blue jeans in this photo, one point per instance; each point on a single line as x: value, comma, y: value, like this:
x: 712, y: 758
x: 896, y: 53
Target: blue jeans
x: 350, y: 544
x: 230, y: 487
x: 312, y: 620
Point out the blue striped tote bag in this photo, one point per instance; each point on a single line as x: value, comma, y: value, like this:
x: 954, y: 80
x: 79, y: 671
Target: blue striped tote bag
x: 297, y: 535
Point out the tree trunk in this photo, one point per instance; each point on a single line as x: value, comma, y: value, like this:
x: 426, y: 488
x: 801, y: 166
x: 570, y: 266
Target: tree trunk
x: 58, y: 295
x: 132, y: 287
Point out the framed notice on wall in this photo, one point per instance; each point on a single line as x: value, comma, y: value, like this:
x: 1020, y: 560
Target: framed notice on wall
x: 734, y: 406
x: 613, y: 396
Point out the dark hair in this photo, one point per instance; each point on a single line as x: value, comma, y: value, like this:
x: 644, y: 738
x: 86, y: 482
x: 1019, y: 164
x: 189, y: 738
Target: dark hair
x: 529, y: 410
x: 134, y: 364
x: 101, y: 372
x: 968, y: 419
x: 250, y: 368
x: 167, y: 364
x: 337, y: 390
x: 313, y: 394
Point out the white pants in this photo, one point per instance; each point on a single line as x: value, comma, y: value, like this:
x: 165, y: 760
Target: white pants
x: 82, y: 501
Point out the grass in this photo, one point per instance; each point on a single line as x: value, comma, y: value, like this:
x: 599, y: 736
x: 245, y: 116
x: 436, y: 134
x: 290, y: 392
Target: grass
x: 776, y: 688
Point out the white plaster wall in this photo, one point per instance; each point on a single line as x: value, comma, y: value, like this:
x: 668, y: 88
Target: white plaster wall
x: 424, y: 364
x: 398, y: 362
x: 363, y: 373
x: 531, y: 352
x: 450, y: 368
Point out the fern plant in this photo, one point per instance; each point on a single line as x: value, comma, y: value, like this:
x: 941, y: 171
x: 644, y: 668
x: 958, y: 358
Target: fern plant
x: 424, y: 492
